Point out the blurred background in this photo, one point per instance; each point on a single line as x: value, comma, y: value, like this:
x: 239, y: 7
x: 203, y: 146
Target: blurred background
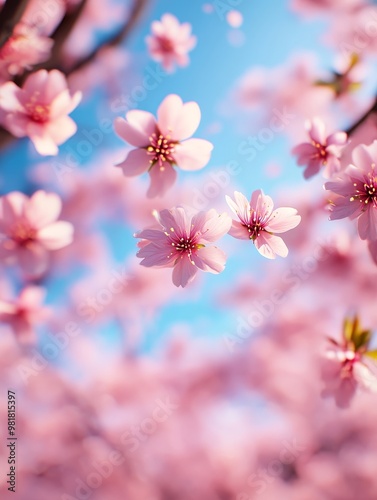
x: 214, y: 391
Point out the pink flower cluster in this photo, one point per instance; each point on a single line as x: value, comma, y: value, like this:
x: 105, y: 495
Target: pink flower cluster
x: 170, y: 42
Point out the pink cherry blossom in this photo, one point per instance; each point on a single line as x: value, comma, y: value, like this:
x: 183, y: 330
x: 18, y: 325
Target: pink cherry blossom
x: 349, y: 364
x: 181, y: 243
x: 170, y: 42
x: 161, y: 143
x: 259, y: 223
x: 321, y: 151
x: 25, y: 48
x: 29, y: 230
x: 39, y: 110
x: 357, y: 191
x: 25, y: 312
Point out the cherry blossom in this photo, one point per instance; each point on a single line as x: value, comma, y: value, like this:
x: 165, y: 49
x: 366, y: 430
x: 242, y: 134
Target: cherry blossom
x: 350, y: 363
x: 29, y: 230
x: 356, y: 190
x: 258, y: 222
x: 181, y: 243
x: 40, y: 110
x: 161, y: 143
x: 24, y: 313
x: 170, y: 42
x: 25, y: 48
x: 321, y: 151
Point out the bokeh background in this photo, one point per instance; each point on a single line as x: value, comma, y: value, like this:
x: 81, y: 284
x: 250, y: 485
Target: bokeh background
x: 212, y: 391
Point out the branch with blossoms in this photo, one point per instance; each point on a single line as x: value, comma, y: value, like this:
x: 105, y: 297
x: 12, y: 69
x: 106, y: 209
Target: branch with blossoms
x: 25, y: 47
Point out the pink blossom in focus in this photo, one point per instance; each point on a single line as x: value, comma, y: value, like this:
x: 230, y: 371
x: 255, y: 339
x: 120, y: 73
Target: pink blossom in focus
x: 29, y: 230
x: 160, y: 145
x: 170, y: 42
x: 259, y: 223
x: 25, y: 312
x: 357, y: 192
x: 25, y: 48
x: 40, y: 110
x: 181, y: 243
x: 321, y: 151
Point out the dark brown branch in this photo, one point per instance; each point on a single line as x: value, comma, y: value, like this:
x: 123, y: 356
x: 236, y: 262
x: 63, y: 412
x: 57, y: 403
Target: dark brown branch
x: 10, y: 14
x: 362, y: 119
x: 61, y: 34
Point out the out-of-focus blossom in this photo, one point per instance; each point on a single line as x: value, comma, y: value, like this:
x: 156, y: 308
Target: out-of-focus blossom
x: 321, y: 151
x: 24, y: 313
x: 327, y: 7
x: 160, y: 145
x: 349, y: 364
x: 181, y: 243
x: 282, y: 95
x: 40, y: 110
x: 29, y: 230
x: 258, y: 222
x: 23, y: 49
x: 234, y: 18
x: 357, y: 192
x: 170, y: 42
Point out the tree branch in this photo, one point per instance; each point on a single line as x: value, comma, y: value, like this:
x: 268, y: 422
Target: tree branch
x: 121, y: 34
x: 362, y: 119
x: 10, y: 14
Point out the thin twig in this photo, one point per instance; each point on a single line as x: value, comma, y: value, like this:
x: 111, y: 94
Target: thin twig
x: 118, y: 37
x: 362, y: 119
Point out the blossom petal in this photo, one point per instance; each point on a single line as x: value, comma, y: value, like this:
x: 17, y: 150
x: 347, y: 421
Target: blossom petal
x: 137, y: 128
x: 216, y: 226
x: 270, y: 246
x: 363, y: 156
x: 10, y: 97
x: 42, y: 209
x: 283, y: 219
x: 162, y: 178
x: 155, y: 256
x: 239, y: 231
x: 56, y: 236
x: 137, y: 162
x: 367, y: 224
x: 317, y: 131
x: 11, y: 209
x: 210, y: 259
x: 168, y: 114
x: 184, y: 272
x: 187, y: 122
x: 193, y: 154
x: 261, y: 203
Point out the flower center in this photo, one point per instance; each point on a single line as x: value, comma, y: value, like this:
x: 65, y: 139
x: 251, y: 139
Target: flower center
x: 255, y: 226
x: 366, y: 193
x: 166, y: 44
x: 37, y: 112
x: 321, y: 153
x: 161, y: 149
x: 184, y: 245
x: 23, y: 234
